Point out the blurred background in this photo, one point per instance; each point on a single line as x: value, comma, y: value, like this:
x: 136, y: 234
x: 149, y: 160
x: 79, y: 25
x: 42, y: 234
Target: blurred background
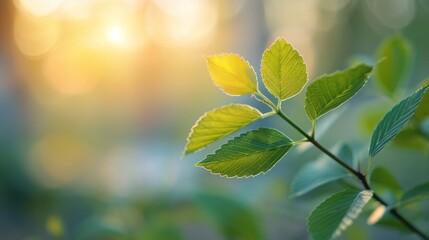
x: 97, y: 98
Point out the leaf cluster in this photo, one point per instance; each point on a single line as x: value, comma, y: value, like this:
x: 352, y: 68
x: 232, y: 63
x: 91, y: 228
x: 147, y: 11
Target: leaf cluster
x: 284, y: 75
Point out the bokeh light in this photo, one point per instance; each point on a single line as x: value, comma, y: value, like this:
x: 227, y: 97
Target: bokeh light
x: 35, y: 36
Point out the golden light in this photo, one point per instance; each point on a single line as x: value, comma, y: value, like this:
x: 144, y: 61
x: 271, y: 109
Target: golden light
x: 115, y: 34
x: 185, y: 22
x: 40, y: 7
x: 71, y: 69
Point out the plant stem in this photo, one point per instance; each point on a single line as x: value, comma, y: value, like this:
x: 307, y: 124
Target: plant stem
x: 356, y: 173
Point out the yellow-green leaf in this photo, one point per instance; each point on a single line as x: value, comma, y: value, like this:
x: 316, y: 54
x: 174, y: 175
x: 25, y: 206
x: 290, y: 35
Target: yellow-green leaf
x: 283, y: 70
x: 249, y: 154
x: 219, y: 123
x: 231, y: 73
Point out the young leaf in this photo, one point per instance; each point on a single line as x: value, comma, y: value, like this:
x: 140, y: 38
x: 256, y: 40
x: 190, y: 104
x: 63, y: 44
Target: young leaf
x: 232, y: 74
x: 394, y: 121
x: 219, y: 123
x: 336, y: 213
x: 320, y: 172
x: 284, y: 72
x: 249, y: 154
x: 395, y: 56
x: 330, y: 91
x: 417, y: 193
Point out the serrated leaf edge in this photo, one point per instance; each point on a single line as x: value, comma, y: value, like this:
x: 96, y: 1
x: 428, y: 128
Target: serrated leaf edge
x: 367, y: 76
x: 245, y: 176
x: 303, y: 61
x: 242, y: 58
x: 205, y: 115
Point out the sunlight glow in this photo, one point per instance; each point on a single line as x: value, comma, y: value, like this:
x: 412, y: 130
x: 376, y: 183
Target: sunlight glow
x: 40, y: 7
x: 115, y: 34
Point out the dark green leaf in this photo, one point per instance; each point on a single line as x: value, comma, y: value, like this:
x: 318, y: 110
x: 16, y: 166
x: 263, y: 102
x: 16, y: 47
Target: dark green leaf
x: 336, y: 213
x: 249, y: 154
x: 395, y: 56
x: 330, y: 91
x: 394, y: 121
x: 321, y: 171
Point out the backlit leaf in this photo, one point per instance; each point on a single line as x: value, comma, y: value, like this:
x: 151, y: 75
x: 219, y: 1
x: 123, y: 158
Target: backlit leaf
x: 249, y: 154
x: 321, y: 171
x: 395, y: 56
x: 283, y: 70
x: 330, y: 91
x: 336, y: 213
x: 232, y: 74
x: 219, y: 123
x: 394, y: 121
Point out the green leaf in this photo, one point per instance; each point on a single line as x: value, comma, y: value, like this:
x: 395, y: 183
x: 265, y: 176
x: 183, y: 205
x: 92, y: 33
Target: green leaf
x: 321, y: 171
x: 336, y: 213
x: 394, y: 121
x: 249, y: 154
x: 284, y: 72
x: 330, y: 91
x: 417, y: 193
x: 393, y: 69
x: 232, y: 74
x: 219, y: 123
x: 422, y: 111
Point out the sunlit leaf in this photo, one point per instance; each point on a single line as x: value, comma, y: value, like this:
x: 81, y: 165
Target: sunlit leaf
x: 395, y: 58
x: 283, y: 70
x: 219, y: 123
x: 394, y: 121
x: 330, y: 91
x: 249, y: 154
x: 417, y: 193
x: 336, y: 213
x: 422, y: 111
x: 232, y: 74
x: 235, y: 220
x: 321, y: 171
